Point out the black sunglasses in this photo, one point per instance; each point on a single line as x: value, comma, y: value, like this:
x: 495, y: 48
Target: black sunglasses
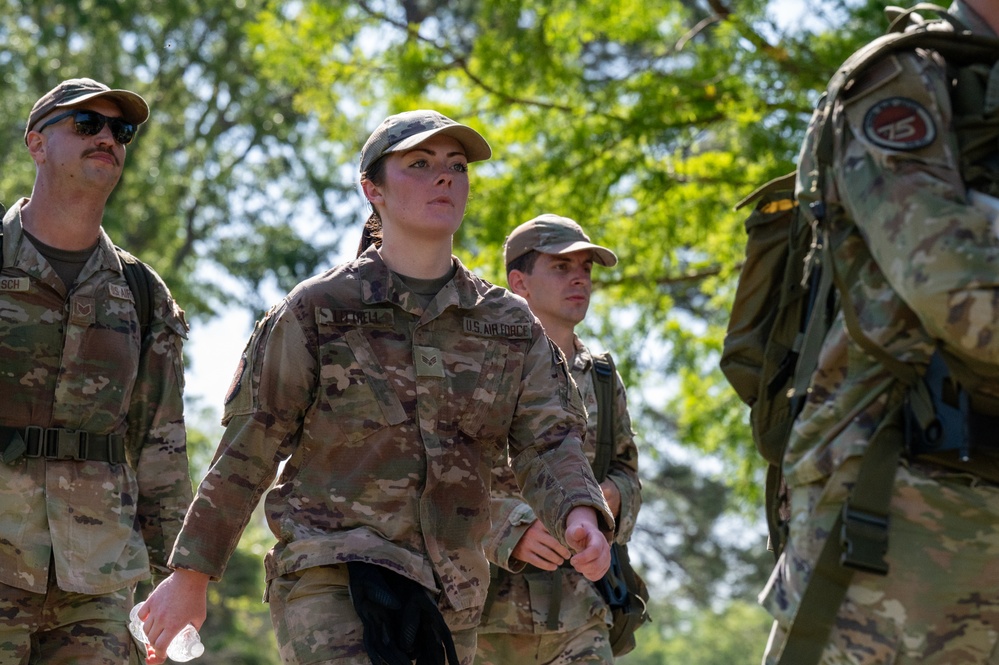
x: 90, y: 123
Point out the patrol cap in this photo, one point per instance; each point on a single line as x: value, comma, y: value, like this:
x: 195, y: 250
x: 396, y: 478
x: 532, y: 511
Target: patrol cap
x: 411, y: 128
x: 73, y: 92
x: 553, y: 234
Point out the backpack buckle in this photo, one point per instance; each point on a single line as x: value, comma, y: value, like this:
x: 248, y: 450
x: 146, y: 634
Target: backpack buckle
x: 864, y: 537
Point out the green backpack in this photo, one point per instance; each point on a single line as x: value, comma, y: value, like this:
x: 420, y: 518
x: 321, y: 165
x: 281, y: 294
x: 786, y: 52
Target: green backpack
x: 765, y: 356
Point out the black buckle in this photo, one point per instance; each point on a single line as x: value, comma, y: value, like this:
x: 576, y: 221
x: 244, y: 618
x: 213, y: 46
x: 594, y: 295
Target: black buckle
x: 864, y: 537
x: 66, y: 444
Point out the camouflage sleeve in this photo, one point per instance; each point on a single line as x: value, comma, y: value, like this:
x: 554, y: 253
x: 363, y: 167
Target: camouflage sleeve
x: 545, y: 441
x: 623, y: 470
x: 271, y: 390
x: 510, y: 516
x: 900, y: 180
x: 156, y: 440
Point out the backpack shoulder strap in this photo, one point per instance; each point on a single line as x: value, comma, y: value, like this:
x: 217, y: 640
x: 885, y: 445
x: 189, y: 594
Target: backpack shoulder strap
x: 603, y: 385
x: 140, y: 282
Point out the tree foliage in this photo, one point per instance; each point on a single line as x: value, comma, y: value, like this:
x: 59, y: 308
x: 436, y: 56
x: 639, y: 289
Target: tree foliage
x: 225, y: 168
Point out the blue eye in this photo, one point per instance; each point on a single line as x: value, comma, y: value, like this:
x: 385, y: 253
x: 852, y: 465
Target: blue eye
x: 460, y: 167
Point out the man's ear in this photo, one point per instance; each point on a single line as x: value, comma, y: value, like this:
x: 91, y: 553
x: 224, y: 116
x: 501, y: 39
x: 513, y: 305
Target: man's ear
x: 518, y: 283
x: 36, y: 146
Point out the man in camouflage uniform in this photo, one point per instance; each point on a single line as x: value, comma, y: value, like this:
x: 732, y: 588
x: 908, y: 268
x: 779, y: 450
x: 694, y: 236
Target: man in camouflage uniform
x: 544, y: 612
x: 912, y: 143
x: 389, y: 387
x: 94, y: 475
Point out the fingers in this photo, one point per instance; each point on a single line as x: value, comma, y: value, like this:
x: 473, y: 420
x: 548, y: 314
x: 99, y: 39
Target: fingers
x: 593, y: 558
x: 540, y: 548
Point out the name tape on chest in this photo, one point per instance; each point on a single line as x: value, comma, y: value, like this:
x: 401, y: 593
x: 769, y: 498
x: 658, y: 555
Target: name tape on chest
x: 497, y: 329
x: 357, y: 318
x: 13, y: 283
x: 120, y: 292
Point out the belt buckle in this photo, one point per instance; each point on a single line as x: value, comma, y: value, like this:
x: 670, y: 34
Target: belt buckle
x: 66, y: 444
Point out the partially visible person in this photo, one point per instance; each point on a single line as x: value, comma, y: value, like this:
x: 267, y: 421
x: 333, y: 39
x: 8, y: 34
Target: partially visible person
x: 541, y: 610
x: 912, y: 139
x: 389, y: 387
x: 94, y: 482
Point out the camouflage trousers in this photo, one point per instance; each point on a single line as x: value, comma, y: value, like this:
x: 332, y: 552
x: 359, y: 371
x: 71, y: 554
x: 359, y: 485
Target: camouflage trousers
x: 939, y: 602
x: 315, y: 622
x: 60, y: 627
x: 589, y: 643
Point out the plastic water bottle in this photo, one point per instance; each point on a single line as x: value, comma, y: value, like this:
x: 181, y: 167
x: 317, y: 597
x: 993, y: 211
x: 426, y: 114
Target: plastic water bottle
x: 185, y: 646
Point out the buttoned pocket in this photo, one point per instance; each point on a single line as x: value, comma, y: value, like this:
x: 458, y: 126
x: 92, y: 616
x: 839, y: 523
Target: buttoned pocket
x: 488, y: 401
x: 356, y: 386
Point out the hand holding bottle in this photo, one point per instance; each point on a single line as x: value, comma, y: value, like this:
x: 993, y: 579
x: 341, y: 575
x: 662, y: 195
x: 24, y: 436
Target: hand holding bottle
x: 185, y: 646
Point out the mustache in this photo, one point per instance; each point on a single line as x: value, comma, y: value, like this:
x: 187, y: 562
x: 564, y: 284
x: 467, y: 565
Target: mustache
x: 87, y: 153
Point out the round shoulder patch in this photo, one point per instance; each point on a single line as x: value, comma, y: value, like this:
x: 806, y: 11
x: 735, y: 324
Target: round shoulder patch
x: 899, y: 123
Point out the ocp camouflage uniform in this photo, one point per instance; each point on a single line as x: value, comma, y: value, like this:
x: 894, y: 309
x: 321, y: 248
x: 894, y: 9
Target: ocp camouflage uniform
x: 71, y: 359
x: 389, y: 418
x: 515, y: 628
x: 928, y: 262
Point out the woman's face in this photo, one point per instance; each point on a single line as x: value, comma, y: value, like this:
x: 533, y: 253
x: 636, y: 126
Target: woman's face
x: 423, y: 190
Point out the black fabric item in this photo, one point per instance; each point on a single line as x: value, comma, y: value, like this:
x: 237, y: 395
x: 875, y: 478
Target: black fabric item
x: 401, y: 621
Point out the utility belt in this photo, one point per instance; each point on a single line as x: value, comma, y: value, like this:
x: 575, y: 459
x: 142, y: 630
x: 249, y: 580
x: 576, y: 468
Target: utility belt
x: 57, y: 443
x: 953, y: 433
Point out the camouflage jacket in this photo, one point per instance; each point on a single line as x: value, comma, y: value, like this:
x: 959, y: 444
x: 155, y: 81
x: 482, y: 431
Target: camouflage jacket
x: 388, y: 419
x: 901, y: 217
x: 522, y: 598
x: 72, y: 360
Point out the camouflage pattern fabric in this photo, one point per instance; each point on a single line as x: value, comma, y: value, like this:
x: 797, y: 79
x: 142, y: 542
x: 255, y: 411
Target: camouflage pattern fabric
x: 926, y: 264
x: 390, y: 418
x: 66, y: 627
x: 73, y: 360
x: 522, y: 600
x: 587, y: 644
x: 315, y: 622
x: 937, y: 605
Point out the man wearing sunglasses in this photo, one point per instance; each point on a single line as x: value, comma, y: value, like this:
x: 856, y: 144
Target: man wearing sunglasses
x: 94, y: 479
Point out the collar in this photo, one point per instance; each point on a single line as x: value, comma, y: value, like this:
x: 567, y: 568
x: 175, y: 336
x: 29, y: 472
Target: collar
x: 380, y: 285
x: 13, y: 239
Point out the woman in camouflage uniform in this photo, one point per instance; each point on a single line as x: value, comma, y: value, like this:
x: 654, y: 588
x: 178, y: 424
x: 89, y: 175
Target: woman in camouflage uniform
x: 389, y: 386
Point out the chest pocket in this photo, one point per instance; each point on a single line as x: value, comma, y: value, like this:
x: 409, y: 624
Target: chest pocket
x: 356, y: 386
x: 487, y: 408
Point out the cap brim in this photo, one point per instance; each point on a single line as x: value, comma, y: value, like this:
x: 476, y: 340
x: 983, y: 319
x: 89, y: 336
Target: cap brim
x: 476, y: 148
x: 133, y: 107
x: 601, y: 255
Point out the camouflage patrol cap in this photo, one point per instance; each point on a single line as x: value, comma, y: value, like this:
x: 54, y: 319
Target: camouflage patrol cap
x: 553, y: 234
x: 73, y: 92
x: 411, y: 128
